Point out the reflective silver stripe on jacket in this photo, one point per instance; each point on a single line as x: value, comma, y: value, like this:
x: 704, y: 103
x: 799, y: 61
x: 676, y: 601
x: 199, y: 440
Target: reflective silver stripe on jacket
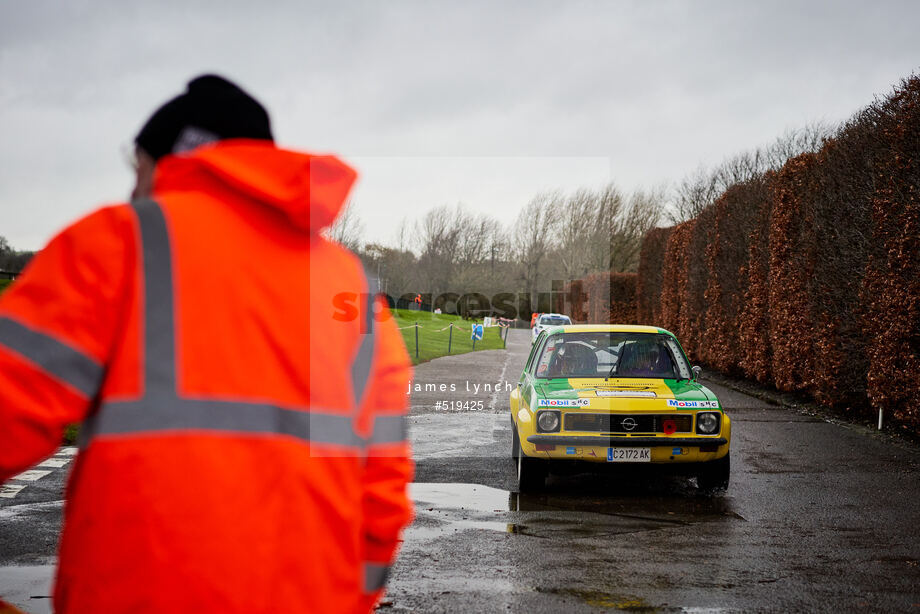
x: 364, y: 359
x: 375, y: 576
x: 389, y: 429
x: 159, y: 416
x: 159, y: 355
x: 162, y: 410
x: 56, y: 358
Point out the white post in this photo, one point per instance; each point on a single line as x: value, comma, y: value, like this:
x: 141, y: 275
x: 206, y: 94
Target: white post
x: 880, y: 419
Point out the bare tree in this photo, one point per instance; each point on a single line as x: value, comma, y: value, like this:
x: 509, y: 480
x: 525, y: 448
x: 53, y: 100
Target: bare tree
x: 396, y: 269
x: 576, y: 220
x: 348, y: 229
x: 404, y: 235
x: 740, y: 168
x: 438, y: 236
x: 532, y: 236
x: 636, y: 216
x: 474, y: 233
x: 701, y: 188
x: 810, y: 137
x: 11, y: 259
x: 694, y: 193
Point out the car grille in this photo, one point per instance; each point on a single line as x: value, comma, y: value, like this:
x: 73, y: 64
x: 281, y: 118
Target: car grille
x: 620, y: 423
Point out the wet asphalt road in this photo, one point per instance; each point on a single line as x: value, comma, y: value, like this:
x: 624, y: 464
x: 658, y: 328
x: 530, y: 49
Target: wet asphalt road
x: 819, y: 517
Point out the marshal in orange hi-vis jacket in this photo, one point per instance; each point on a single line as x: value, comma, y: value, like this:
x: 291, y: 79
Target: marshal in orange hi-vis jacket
x: 241, y: 450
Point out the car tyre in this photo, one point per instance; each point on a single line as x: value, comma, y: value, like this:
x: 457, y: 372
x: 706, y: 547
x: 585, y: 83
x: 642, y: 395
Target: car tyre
x: 714, y: 475
x: 515, y: 441
x: 531, y: 473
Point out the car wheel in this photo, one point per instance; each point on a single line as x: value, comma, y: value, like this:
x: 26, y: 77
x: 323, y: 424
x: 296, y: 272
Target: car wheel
x: 714, y: 475
x: 515, y: 441
x: 531, y: 473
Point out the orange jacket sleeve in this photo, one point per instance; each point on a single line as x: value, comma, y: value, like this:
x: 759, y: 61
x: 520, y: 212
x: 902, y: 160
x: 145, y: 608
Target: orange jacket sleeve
x: 388, y: 468
x: 57, y: 325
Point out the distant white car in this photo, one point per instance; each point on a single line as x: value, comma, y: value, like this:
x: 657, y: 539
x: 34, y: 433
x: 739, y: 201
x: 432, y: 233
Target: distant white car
x: 546, y: 320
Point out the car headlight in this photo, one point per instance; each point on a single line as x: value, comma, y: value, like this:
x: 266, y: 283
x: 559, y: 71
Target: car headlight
x: 707, y: 423
x: 548, y: 421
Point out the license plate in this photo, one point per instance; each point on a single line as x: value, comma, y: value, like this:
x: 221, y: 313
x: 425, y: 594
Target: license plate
x: 629, y: 455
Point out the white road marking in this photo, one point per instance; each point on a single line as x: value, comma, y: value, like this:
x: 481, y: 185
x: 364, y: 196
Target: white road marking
x: 8, y: 491
x: 61, y: 458
x: 53, y: 462
x: 501, y: 379
x: 31, y: 475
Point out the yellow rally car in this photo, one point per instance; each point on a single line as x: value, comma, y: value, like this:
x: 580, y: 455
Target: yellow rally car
x: 615, y: 394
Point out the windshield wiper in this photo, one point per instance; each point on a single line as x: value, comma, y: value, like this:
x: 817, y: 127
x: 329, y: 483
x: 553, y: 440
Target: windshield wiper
x: 612, y: 370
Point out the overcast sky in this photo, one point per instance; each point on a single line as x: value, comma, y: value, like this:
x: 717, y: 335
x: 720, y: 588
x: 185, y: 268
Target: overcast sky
x: 485, y: 103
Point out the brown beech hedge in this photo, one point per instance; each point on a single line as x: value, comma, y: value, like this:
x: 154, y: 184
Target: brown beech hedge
x: 603, y: 298
x: 651, y: 266
x: 808, y: 278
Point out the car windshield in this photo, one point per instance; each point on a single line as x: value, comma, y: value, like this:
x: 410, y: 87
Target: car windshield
x: 555, y: 320
x: 599, y: 354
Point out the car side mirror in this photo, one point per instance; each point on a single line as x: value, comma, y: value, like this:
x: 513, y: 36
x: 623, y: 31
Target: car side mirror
x: 696, y: 372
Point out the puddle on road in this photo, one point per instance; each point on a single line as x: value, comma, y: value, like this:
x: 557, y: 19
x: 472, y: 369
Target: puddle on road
x: 601, y: 599
x: 443, y: 509
x: 461, y: 496
x: 28, y: 587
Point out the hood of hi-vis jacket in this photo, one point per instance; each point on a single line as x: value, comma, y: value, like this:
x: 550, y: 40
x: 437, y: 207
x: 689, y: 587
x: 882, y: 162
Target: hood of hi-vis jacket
x: 244, y: 444
x: 307, y: 189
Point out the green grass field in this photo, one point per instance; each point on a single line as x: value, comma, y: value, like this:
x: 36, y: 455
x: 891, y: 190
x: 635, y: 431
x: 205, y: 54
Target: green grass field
x: 4, y: 283
x: 433, y: 334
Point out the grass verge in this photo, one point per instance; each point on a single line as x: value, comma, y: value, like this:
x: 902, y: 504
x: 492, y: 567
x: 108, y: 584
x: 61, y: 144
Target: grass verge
x: 436, y: 330
x: 71, y: 433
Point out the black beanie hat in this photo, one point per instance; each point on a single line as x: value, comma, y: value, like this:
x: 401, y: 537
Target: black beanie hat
x: 211, y: 110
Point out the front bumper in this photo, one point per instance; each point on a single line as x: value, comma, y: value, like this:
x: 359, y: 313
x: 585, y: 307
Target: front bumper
x: 626, y: 442
x: 677, y: 449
